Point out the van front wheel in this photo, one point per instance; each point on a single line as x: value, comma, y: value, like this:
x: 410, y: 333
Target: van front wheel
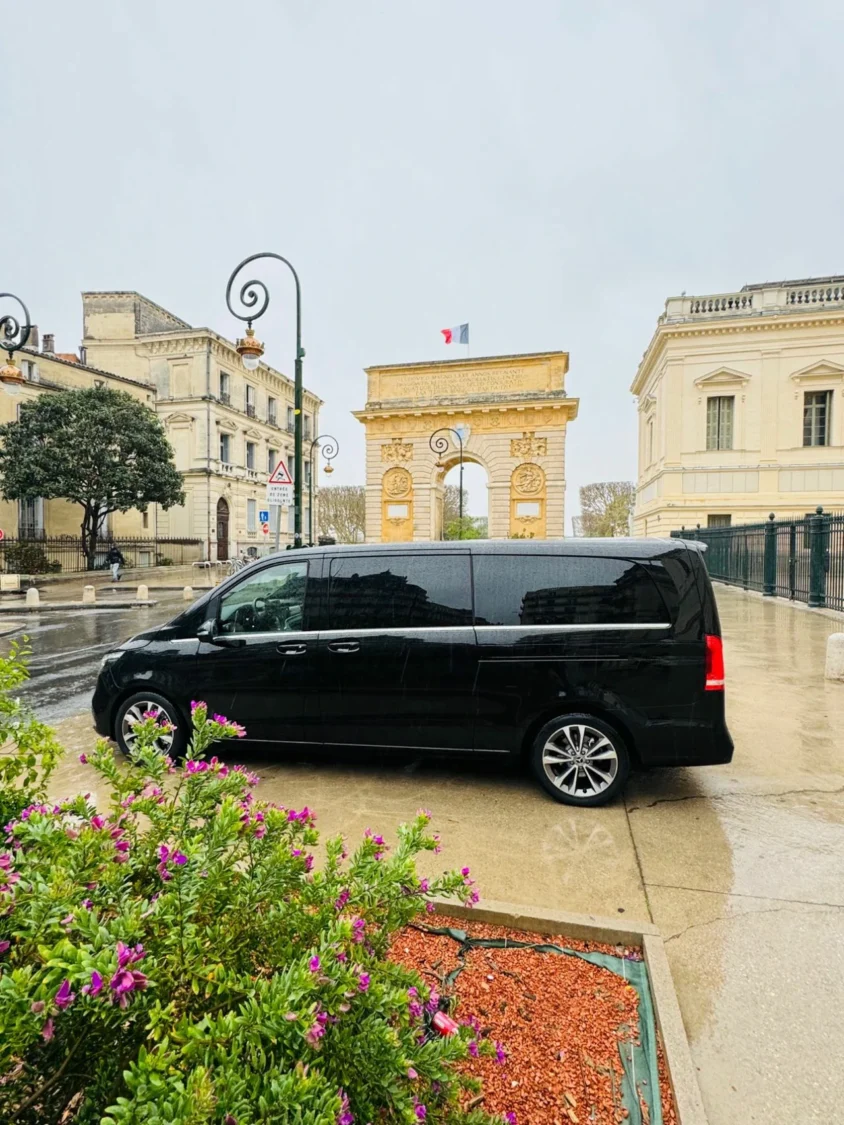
x: 580, y: 760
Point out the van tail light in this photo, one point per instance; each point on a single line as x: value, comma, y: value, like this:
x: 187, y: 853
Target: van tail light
x: 714, y: 664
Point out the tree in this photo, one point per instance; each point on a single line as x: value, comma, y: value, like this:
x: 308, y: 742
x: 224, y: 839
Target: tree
x: 96, y: 447
x: 605, y: 508
x: 473, y: 527
x: 451, y: 504
x: 341, y: 512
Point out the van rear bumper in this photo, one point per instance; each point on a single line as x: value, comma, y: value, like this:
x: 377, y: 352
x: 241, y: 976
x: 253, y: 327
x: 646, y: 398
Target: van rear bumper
x: 701, y: 741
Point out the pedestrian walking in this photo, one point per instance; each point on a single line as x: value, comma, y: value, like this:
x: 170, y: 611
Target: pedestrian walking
x: 115, y: 560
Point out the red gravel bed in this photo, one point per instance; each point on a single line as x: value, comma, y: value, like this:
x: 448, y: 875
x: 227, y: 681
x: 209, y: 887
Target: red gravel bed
x: 558, y: 1018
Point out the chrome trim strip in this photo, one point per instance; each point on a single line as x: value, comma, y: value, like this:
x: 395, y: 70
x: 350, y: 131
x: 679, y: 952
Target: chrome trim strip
x: 350, y: 633
x: 602, y: 628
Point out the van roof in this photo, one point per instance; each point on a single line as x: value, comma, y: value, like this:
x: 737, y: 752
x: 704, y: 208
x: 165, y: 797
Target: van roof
x: 612, y: 547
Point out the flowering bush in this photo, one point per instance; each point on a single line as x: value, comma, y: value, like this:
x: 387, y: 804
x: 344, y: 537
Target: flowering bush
x: 179, y: 957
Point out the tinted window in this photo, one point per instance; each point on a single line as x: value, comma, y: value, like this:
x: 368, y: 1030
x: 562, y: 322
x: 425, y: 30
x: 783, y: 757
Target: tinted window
x: 268, y: 601
x: 570, y: 590
x: 399, y: 591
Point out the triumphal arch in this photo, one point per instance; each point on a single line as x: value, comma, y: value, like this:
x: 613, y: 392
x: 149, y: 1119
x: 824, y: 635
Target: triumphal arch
x: 510, y: 412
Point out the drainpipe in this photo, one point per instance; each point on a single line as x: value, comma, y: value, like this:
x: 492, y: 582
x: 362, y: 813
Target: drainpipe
x: 208, y: 449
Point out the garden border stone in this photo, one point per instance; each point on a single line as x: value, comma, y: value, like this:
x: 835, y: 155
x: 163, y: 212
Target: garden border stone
x: 591, y: 927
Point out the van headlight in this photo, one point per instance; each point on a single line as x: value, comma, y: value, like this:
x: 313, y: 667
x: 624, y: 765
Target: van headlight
x: 109, y: 658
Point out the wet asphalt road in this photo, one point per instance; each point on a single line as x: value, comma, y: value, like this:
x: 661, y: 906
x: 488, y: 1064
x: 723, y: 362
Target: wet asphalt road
x: 67, y: 649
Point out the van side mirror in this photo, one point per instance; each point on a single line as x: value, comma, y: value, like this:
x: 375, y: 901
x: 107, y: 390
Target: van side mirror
x: 207, y: 633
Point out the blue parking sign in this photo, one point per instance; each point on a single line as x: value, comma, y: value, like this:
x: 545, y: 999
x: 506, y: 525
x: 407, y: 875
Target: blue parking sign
x: 263, y: 516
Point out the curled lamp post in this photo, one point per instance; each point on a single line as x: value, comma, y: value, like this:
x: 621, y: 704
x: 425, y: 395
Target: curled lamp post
x: 439, y: 444
x: 255, y: 297
x: 329, y: 452
x: 14, y: 335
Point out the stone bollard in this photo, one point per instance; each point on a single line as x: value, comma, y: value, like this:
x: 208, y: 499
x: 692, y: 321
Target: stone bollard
x: 835, y: 657
x: 187, y: 594
x: 89, y: 595
x: 143, y: 593
x: 32, y: 596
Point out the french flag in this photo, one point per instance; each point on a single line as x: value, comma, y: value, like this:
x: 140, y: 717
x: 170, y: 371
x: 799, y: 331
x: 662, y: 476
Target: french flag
x: 458, y: 335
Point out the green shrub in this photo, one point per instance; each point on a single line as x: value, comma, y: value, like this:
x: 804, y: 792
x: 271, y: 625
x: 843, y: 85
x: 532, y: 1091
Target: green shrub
x: 29, y: 558
x: 177, y: 957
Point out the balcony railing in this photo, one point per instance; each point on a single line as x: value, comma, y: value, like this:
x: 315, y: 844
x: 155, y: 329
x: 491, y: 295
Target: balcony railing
x: 250, y: 409
x: 272, y: 420
x: 225, y: 398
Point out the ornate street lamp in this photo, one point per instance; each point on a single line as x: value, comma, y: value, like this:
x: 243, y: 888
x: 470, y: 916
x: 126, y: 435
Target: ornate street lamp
x: 329, y: 452
x: 250, y: 349
x: 439, y: 444
x: 13, y: 336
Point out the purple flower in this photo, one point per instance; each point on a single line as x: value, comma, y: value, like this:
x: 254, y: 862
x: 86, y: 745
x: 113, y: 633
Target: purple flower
x: 411, y: 1073
x: 260, y: 832
x: 67, y: 920
x: 433, y: 1001
x: 290, y: 1016
x: 473, y: 1048
x: 429, y: 906
x: 83, y: 759
x: 195, y: 706
x: 345, y: 1116
x: 464, y: 871
x: 472, y: 899
x: 37, y: 1007
x: 500, y: 1053
x: 48, y: 1030
x: 87, y: 903
x: 126, y: 955
x: 180, y: 859
x: 423, y: 886
x: 314, y: 1034
x: 229, y: 1120
x: 424, y: 813
x: 125, y: 981
x: 313, y: 964
x: 420, y: 1111
x: 363, y: 982
x: 415, y: 1010
x: 121, y: 845
x: 5, y: 861
x: 97, y: 822
x: 510, y: 1118
x: 341, y: 956
x: 341, y: 899
x: 309, y: 862
x: 94, y: 987
x: 358, y: 927
x: 4, y: 945
x: 64, y: 997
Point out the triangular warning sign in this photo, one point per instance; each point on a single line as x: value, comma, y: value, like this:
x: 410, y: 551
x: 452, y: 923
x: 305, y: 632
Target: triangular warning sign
x: 280, y: 475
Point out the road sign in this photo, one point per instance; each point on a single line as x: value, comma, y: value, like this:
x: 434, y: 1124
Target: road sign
x: 2, y: 533
x: 281, y: 494
x: 263, y: 516
x: 280, y: 475
x: 265, y: 527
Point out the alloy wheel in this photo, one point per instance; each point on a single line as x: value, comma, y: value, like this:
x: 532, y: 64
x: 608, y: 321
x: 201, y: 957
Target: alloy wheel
x: 580, y: 760
x: 135, y: 714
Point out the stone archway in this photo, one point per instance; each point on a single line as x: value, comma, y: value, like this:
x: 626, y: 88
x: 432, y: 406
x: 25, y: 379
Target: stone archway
x: 441, y: 468
x: 513, y: 411
x: 222, y: 530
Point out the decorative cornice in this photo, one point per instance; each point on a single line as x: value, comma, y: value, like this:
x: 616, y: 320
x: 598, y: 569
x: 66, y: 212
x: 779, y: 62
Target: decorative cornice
x: 722, y: 376
x: 824, y: 371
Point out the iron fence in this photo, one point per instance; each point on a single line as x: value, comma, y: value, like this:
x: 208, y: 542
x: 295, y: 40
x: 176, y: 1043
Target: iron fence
x: 64, y: 554
x: 800, y: 559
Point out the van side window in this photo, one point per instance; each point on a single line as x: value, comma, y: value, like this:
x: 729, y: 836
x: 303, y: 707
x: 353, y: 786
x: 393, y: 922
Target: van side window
x: 564, y: 590
x: 269, y: 601
x: 399, y: 591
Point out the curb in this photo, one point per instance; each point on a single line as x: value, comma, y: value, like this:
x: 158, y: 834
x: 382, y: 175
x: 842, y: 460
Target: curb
x: 60, y: 607
x: 591, y: 927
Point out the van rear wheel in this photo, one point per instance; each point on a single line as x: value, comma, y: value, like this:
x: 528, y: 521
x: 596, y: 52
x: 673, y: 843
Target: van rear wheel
x: 580, y: 760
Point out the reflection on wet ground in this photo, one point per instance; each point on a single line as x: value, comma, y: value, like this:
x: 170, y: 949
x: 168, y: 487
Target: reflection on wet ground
x: 740, y: 866
x: 67, y: 649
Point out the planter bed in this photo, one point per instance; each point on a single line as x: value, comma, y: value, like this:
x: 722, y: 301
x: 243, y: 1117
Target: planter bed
x: 575, y: 1016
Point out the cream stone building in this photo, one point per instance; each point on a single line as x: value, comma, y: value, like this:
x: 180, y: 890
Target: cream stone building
x: 741, y: 407
x: 227, y: 425
x: 511, y: 413
x: 45, y: 371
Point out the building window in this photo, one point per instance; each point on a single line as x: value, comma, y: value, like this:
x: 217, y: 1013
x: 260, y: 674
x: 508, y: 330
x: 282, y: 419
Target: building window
x: 816, y: 411
x: 272, y: 460
x: 650, y: 441
x: 250, y: 401
x: 31, y: 519
x: 272, y: 411
x: 251, y: 515
x: 225, y: 387
x: 250, y: 455
x: 306, y: 427
x: 719, y: 521
x: 144, y: 519
x: 29, y: 370
x: 225, y: 448
x: 719, y: 422
x: 307, y: 474
x: 290, y: 423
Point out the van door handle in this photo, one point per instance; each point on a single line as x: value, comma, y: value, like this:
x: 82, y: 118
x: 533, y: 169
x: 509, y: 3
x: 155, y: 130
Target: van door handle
x: 343, y: 646
x: 291, y: 650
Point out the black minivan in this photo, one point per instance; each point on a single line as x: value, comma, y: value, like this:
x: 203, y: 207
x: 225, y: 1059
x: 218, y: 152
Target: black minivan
x: 583, y: 656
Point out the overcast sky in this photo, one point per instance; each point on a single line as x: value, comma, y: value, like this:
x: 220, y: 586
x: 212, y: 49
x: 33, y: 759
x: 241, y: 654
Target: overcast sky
x: 548, y: 171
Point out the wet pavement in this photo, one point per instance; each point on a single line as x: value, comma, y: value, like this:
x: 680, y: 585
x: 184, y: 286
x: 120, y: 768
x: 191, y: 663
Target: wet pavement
x: 740, y: 866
